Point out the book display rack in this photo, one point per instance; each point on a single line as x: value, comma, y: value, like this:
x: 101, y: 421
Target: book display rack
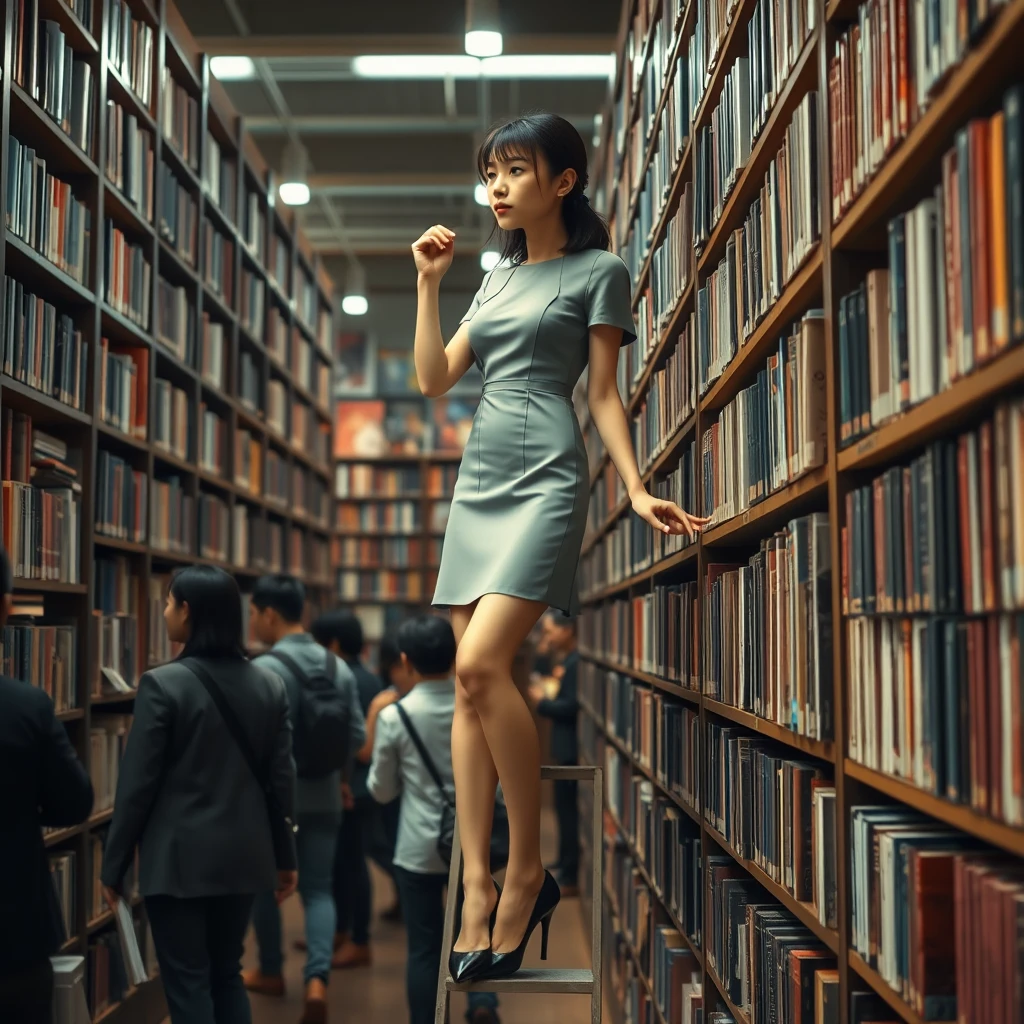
x: 809, y: 717
x: 165, y: 387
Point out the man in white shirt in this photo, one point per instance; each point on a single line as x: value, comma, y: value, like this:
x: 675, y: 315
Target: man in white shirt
x: 427, y: 646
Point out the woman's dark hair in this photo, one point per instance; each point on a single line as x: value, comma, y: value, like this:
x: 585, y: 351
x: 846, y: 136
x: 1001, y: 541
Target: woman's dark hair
x: 429, y: 644
x: 214, y: 612
x: 341, y: 626
x: 388, y: 656
x: 562, y: 147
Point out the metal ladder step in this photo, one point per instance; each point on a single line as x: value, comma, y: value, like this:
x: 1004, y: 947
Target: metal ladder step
x: 549, y: 981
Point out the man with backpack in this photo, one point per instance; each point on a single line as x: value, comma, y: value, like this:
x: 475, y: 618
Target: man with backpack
x: 328, y: 728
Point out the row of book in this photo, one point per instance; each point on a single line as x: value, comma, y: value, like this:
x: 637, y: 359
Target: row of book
x: 179, y: 119
x: 131, y: 44
x: 884, y: 72
x: 124, y: 387
x: 251, y: 314
x: 780, y: 230
x: 214, y: 527
x: 218, y: 263
x: 42, y: 347
x: 374, y: 553
x: 951, y: 297
x: 773, y: 431
x: 122, y: 495
x: 172, y: 422
x: 178, y: 223
x: 935, y: 700
x: 219, y: 178
x: 212, y: 441
x: 362, y: 480
x: 43, y: 654
x: 384, y: 517
x: 775, y: 38
x: 49, y: 70
x: 176, y: 322
x: 941, y: 534
x: 44, y: 212
x: 379, y: 584
x: 254, y: 234
x: 127, y: 276
x: 766, y: 638
x: 130, y: 158
x: 933, y: 912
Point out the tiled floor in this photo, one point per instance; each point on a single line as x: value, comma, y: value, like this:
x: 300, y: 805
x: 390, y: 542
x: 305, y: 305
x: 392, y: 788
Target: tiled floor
x: 377, y: 993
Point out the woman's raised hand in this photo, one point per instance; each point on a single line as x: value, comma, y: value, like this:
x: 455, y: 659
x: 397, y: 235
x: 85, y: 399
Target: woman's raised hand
x: 433, y: 251
x: 666, y: 516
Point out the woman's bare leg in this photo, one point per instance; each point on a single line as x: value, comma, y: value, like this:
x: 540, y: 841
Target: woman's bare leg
x: 475, y: 782
x: 489, y: 644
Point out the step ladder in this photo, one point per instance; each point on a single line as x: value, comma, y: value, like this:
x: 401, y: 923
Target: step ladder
x: 533, y: 980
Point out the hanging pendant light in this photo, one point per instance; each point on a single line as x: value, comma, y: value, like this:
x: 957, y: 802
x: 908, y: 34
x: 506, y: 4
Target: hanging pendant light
x: 483, y: 28
x: 354, y: 302
x: 294, y: 187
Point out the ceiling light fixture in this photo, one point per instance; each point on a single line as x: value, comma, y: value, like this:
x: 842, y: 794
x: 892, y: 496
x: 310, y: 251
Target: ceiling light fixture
x: 354, y: 302
x: 512, y: 66
x: 483, y: 28
x: 489, y: 259
x: 294, y: 187
x: 480, y: 195
x: 232, y: 69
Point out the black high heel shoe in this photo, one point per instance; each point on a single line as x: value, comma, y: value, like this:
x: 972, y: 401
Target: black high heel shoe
x: 465, y: 967
x: 504, y: 965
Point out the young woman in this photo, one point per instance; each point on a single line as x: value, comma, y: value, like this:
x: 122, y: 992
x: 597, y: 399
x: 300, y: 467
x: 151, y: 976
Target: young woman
x: 187, y: 797
x: 557, y: 303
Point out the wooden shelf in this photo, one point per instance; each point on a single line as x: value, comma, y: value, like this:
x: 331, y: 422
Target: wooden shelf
x: 48, y: 586
x: 738, y: 1015
x: 41, y: 406
x: 998, y: 833
x: 63, y: 157
x: 996, y: 55
x: 969, y: 397
x: 627, y: 940
x: 882, y: 988
x: 114, y: 698
x: 36, y: 271
x: 665, y: 685
x: 772, y: 730
x: 73, y: 715
x: 129, y: 546
x: 804, y: 912
x: 762, y: 519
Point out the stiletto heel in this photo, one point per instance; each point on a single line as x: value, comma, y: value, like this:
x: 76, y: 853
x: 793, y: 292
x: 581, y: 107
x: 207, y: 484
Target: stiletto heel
x: 545, y: 926
x: 465, y: 967
x: 503, y: 965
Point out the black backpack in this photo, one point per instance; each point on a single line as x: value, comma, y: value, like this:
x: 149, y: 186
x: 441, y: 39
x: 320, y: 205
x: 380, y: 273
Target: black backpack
x: 323, y: 719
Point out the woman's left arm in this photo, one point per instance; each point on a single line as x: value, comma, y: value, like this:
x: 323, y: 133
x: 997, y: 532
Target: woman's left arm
x: 609, y: 417
x: 138, y: 780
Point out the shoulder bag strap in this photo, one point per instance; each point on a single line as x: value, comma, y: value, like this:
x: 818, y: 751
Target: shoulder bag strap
x: 426, y: 758
x: 230, y: 719
x: 289, y: 663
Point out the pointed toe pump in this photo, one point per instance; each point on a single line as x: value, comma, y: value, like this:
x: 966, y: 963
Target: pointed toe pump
x: 503, y: 965
x: 469, y: 966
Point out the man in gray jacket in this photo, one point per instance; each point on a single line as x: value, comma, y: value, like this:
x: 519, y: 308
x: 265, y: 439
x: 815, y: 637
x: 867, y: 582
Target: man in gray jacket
x: 276, y: 608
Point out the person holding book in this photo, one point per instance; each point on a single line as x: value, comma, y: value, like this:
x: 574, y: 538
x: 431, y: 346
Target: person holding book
x: 408, y: 731
x: 562, y: 707
x: 341, y: 633
x: 44, y: 784
x: 327, y: 726
x: 558, y: 302
x: 205, y: 792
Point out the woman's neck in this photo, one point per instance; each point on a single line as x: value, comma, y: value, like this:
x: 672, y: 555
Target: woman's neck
x: 546, y: 241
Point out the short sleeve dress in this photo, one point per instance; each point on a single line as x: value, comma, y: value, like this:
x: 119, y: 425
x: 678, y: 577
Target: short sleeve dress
x: 519, y: 509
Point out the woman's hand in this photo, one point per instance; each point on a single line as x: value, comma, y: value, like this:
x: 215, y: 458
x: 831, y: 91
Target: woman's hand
x: 666, y: 516
x: 433, y: 252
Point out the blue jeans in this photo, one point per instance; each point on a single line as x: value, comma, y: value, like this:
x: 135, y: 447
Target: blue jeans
x: 422, y: 899
x: 315, y: 842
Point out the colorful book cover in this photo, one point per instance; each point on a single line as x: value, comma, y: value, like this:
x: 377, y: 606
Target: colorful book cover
x: 453, y: 418
x: 359, y: 429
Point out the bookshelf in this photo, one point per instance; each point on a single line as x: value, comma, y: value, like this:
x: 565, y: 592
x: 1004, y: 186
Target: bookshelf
x: 685, y: 142
x: 124, y: 411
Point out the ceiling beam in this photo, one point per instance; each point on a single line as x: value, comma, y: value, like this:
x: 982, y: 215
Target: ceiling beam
x: 443, y: 179
x: 354, y: 45
x: 369, y: 124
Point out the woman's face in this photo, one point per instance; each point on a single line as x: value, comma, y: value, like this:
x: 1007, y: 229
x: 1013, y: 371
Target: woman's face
x: 176, y: 617
x: 521, y: 191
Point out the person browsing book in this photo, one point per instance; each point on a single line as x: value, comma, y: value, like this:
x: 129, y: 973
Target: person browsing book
x: 206, y: 792
x: 44, y: 783
x: 342, y: 634
x: 328, y: 727
x: 427, y: 646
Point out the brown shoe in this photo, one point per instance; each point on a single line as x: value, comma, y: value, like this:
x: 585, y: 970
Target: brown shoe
x: 315, y: 1010
x: 263, y: 984
x: 352, y: 955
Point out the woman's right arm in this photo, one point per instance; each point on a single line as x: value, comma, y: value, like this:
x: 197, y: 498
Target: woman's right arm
x: 438, y: 366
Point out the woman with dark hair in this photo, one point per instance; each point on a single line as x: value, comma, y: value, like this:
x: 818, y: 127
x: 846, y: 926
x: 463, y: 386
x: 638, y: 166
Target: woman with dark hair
x: 558, y: 302
x: 205, y: 791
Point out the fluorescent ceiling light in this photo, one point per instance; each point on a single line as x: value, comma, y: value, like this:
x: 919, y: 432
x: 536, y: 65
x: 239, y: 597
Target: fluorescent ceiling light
x: 481, y: 43
x: 489, y: 259
x: 545, y: 65
x: 480, y: 195
x: 354, y: 305
x: 293, y: 193
x: 232, y: 69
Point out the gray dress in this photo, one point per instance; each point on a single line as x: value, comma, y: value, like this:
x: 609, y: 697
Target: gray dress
x: 520, y: 505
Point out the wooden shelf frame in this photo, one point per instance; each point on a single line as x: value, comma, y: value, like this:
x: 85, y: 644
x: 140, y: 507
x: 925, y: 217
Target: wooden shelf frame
x: 85, y: 429
x: 828, y: 270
